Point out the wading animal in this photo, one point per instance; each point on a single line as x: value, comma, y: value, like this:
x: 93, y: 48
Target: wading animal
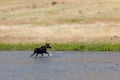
x: 41, y: 50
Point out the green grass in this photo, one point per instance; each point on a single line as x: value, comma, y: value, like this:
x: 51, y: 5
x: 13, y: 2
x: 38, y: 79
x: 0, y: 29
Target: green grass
x: 64, y: 47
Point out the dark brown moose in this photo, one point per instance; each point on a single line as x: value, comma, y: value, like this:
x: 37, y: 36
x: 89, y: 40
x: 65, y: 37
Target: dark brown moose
x: 41, y: 50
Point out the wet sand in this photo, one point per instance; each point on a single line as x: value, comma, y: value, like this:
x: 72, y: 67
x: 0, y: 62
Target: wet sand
x: 62, y: 65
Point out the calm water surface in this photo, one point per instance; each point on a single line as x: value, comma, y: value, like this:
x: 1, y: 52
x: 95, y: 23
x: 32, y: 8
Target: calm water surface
x: 62, y: 65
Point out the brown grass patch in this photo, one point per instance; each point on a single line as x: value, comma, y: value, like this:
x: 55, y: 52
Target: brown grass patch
x: 97, y: 32
x: 67, y: 11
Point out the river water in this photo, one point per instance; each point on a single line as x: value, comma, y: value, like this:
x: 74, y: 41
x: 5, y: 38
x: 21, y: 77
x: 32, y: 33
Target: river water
x: 61, y: 65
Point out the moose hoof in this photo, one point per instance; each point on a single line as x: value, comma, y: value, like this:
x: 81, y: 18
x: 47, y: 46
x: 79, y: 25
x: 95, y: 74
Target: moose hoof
x: 50, y: 55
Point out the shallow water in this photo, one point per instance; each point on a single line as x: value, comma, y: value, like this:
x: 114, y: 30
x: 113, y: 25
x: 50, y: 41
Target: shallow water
x: 62, y: 65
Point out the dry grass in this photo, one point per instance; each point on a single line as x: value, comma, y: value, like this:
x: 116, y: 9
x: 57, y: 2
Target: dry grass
x: 34, y: 21
x: 75, y: 33
x: 42, y: 12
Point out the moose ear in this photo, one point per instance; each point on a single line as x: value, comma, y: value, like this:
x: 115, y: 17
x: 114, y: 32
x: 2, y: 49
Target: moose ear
x: 47, y: 44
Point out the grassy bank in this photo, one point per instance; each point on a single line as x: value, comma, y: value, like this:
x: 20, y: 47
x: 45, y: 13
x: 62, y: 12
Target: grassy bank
x: 64, y: 47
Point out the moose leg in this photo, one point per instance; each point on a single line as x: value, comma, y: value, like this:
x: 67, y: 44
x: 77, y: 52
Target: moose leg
x: 48, y: 53
x: 41, y: 54
x: 32, y: 54
x: 36, y: 54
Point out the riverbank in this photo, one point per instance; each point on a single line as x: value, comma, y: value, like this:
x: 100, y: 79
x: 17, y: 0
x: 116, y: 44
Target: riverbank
x: 62, y: 47
x: 93, y: 24
x: 75, y: 37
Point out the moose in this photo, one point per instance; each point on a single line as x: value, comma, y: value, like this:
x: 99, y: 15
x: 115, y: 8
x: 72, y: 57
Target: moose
x: 41, y: 50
